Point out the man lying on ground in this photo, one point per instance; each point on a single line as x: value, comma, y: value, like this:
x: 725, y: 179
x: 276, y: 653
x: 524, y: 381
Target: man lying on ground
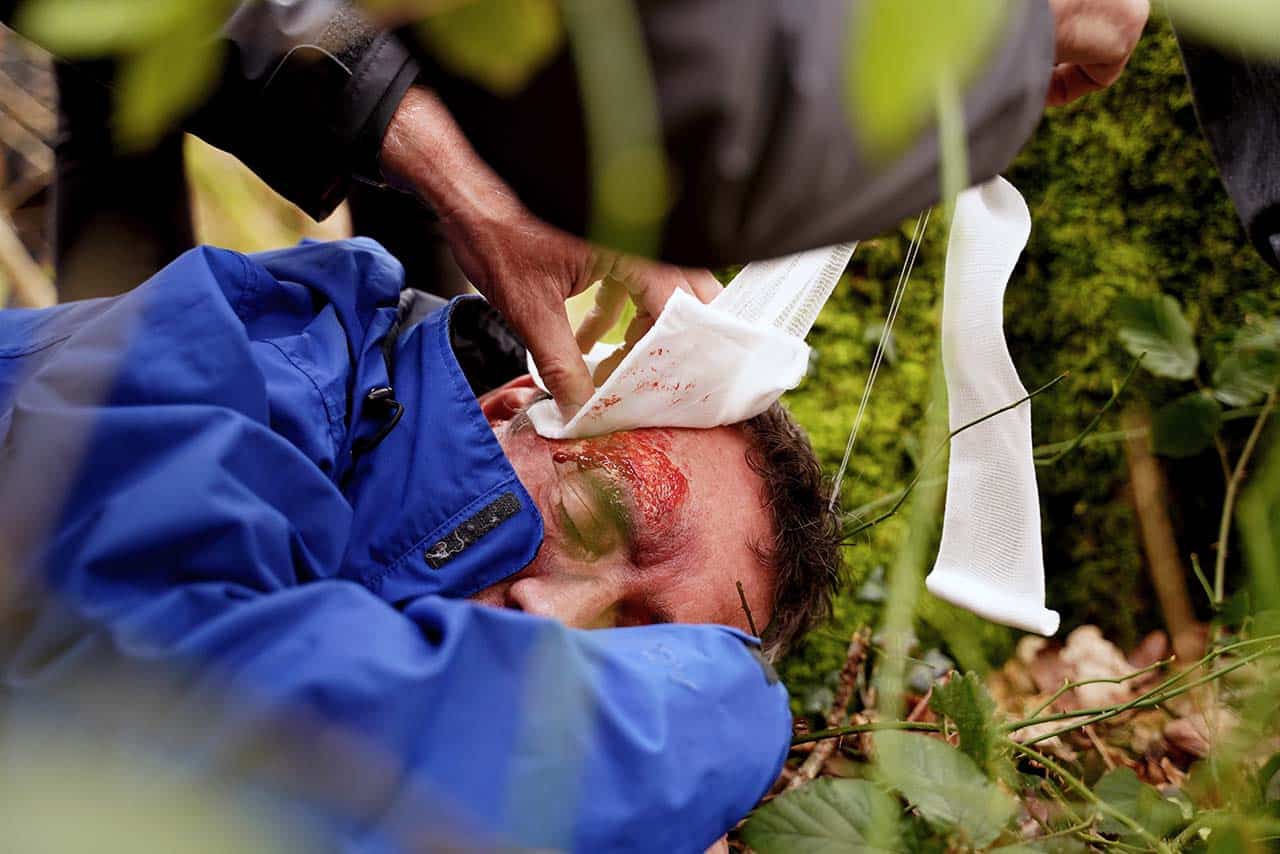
x: 281, y: 475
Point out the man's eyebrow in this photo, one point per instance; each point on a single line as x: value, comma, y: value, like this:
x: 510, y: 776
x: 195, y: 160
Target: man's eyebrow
x: 661, y: 615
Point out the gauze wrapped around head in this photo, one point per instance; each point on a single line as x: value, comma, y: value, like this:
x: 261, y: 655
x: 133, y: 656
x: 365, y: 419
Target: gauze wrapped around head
x: 705, y: 365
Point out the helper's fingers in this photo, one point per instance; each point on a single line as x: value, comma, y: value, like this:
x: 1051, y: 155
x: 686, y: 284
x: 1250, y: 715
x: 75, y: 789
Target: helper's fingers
x: 1068, y: 83
x: 551, y: 343
x: 611, y: 298
x: 706, y: 287
x: 650, y: 284
x: 636, y: 329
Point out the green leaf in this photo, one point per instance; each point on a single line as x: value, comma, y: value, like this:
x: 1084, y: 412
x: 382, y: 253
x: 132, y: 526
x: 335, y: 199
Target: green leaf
x: 160, y: 84
x: 827, y: 815
x: 946, y: 786
x: 1258, y: 521
x: 76, y: 28
x: 1186, y: 426
x: 1155, y: 326
x: 1125, y: 793
x: 500, y: 44
x: 1246, y: 377
x: 1252, y: 368
x: 1248, y: 26
x: 900, y: 56
x: 966, y: 702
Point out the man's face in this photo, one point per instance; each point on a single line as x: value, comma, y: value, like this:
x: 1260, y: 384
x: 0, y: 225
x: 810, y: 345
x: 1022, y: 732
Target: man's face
x: 642, y: 526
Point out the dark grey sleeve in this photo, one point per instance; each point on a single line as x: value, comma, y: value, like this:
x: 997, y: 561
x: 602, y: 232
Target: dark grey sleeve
x: 752, y: 106
x: 307, y: 91
x: 1238, y: 105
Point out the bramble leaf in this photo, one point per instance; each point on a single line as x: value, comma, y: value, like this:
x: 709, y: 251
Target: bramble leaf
x: 161, y: 83
x: 824, y: 816
x: 966, y: 702
x: 899, y: 54
x: 76, y: 29
x: 1252, y: 368
x: 500, y: 44
x: 1186, y: 426
x: 947, y: 787
x: 1155, y: 326
x: 1124, y: 792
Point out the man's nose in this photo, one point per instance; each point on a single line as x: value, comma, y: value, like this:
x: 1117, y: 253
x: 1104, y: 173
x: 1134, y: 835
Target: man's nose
x: 579, y: 601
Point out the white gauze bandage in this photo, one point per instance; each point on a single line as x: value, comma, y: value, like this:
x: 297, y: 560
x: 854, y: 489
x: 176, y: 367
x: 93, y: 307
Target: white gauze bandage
x: 704, y: 365
x: 991, y: 559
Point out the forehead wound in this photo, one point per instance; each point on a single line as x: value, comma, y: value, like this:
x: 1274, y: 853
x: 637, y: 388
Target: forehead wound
x: 641, y: 460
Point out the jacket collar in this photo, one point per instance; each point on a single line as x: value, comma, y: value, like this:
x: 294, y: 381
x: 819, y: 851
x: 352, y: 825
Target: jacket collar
x: 438, y: 508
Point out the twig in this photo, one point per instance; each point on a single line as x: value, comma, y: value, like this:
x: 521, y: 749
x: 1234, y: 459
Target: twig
x: 1100, y: 747
x: 873, y: 726
x: 1145, y: 701
x: 751, y: 622
x: 864, y: 509
x: 1099, y: 804
x: 1068, y: 685
x: 1093, y: 423
x: 31, y: 286
x: 1157, y: 695
x: 1229, y: 503
x: 1096, y: 439
x: 942, y: 445
x: 26, y: 108
x: 1204, y: 582
x: 1148, y: 490
x: 817, y: 759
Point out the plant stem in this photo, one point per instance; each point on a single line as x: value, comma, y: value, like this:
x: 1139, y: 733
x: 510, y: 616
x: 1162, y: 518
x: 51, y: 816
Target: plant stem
x: 869, y: 727
x: 943, y: 444
x: 1229, y: 503
x: 1145, y: 701
x: 746, y: 609
x: 1204, y: 582
x: 1156, y: 695
x: 1069, y: 686
x: 1099, y: 804
x: 1093, y: 423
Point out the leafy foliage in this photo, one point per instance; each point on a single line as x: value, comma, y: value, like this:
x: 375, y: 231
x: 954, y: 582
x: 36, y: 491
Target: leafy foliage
x: 500, y: 44
x: 825, y: 816
x: 168, y: 53
x: 1251, y: 368
x: 896, y: 62
x: 1155, y: 326
x: 1123, y: 791
x: 1124, y: 198
x: 968, y: 704
x: 1186, y: 426
x: 947, y: 787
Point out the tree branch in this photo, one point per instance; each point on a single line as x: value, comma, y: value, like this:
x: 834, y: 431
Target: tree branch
x: 1229, y: 502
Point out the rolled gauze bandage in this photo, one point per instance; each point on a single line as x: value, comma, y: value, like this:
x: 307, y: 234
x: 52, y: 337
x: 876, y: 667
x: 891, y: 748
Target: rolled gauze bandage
x: 713, y: 364
x: 991, y: 560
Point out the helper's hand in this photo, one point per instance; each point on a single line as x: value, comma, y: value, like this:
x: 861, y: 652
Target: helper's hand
x: 523, y: 266
x: 634, y: 277
x: 1094, y: 39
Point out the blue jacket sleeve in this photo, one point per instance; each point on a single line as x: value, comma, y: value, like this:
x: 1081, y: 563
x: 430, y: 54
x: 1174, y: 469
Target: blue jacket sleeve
x: 195, y: 539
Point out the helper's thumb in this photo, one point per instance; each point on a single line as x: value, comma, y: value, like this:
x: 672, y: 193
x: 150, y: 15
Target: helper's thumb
x: 560, y: 364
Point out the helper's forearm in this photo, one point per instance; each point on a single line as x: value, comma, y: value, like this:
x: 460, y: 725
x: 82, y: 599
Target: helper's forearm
x: 426, y: 153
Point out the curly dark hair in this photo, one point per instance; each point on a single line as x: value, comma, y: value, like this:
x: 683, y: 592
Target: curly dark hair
x: 805, y: 552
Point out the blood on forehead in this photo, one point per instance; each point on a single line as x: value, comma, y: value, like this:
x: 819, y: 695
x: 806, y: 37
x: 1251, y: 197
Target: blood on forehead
x: 639, y: 458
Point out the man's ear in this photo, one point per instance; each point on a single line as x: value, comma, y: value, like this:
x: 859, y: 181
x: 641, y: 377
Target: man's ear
x: 503, y: 402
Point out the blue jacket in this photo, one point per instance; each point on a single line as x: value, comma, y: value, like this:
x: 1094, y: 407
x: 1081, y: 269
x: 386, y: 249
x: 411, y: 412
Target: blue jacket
x: 190, y: 473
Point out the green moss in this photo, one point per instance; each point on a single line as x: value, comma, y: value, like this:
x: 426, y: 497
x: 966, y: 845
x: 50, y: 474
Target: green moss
x: 1124, y: 199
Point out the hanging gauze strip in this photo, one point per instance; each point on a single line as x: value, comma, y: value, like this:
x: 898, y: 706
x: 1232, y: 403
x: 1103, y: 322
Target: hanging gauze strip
x: 991, y: 560
x: 704, y: 365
